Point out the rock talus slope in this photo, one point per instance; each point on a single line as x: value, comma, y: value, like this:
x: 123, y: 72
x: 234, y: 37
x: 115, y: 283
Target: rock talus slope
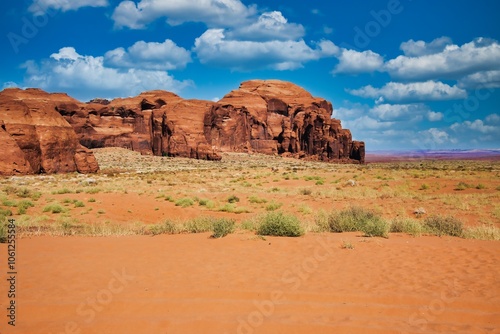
x: 36, y: 139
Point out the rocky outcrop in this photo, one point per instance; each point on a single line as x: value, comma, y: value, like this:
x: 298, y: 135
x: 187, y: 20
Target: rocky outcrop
x: 276, y: 117
x: 155, y: 122
x: 264, y: 116
x: 36, y: 138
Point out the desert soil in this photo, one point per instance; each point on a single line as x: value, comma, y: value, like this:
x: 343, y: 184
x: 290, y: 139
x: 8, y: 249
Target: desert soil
x: 242, y: 283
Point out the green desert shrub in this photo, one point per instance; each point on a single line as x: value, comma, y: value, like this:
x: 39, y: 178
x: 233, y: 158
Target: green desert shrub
x: 444, y: 225
x: 280, y: 224
x: 305, y: 191
x: 5, y: 212
x: 222, y: 227
x: 272, y: 206
x: 358, y: 219
x: 62, y: 191
x: 256, y: 200
x: 407, y: 225
x: 199, y: 225
x: 23, y: 193
x: 54, y: 208
x: 482, y: 232
x: 9, y: 202
x: 203, y: 201
x: 3, y: 229
x: 184, y: 202
x: 463, y: 186
x: 167, y: 227
x: 376, y: 227
x: 23, y: 205
x: 233, y: 199
x: 348, y: 220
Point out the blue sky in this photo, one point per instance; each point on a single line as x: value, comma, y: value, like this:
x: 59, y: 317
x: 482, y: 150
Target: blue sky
x: 401, y: 74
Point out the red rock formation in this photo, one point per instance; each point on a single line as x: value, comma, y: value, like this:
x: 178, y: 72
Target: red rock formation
x: 36, y: 138
x: 155, y: 122
x: 265, y: 116
x: 279, y: 117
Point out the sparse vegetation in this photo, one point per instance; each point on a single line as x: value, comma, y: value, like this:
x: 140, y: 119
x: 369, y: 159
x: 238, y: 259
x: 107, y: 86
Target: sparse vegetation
x: 257, y: 200
x: 407, y: 225
x: 463, y: 186
x: 280, y: 224
x: 233, y: 199
x: 3, y: 229
x: 222, y: 227
x: 358, y: 219
x: 346, y: 245
x: 54, y: 208
x: 23, y: 205
x: 483, y: 232
x: 444, y: 225
x: 272, y: 206
x: 5, y: 212
x: 199, y: 225
x: 167, y: 227
x: 184, y: 202
x: 305, y: 191
x: 62, y: 191
x: 237, y: 179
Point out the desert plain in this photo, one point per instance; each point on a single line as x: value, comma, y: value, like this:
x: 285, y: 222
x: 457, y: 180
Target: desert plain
x: 130, y: 249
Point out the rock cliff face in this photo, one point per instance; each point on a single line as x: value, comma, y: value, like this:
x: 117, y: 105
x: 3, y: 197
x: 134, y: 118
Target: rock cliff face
x: 35, y: 138
x: 279, y: 117
x: 264, y: 116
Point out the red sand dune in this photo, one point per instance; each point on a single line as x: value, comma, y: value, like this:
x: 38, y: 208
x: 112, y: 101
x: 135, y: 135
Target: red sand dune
x: 242, y: 284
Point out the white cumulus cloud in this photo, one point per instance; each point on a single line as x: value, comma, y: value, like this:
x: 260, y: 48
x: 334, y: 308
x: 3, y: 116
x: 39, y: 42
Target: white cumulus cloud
x: 480, y: 80
x: 64, y: 5
x: 351, y: 61
x: 269, y: 26
x: 214, y: 13
x: 414, y: 91
x: 434, y: 116
x: 86, y: 77
x: 413, y: 48
x: 213, y: 48
x: 149, y: 55
x: 478, y: 126
x: 454, y: 62
x: 401, y: 112
x: 432, y: 138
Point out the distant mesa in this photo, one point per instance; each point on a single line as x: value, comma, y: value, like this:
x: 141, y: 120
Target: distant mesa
x: 53, y: 132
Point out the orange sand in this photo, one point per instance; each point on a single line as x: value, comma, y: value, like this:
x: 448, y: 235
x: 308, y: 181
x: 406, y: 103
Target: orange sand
x: 242, y: 284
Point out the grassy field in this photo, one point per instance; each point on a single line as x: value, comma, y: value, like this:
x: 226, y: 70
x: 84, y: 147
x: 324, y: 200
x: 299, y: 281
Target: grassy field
x: 134, y: 194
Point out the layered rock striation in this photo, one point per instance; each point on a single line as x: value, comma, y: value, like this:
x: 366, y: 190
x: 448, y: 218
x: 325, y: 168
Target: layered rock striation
x: 36, y: 138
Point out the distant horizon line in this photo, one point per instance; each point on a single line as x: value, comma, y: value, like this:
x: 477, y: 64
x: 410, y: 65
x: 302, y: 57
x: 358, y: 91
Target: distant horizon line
x: 438, y: 150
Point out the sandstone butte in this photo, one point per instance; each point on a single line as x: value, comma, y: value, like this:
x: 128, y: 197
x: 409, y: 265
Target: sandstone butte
x: 35, y: 138
x: 50, y: 133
